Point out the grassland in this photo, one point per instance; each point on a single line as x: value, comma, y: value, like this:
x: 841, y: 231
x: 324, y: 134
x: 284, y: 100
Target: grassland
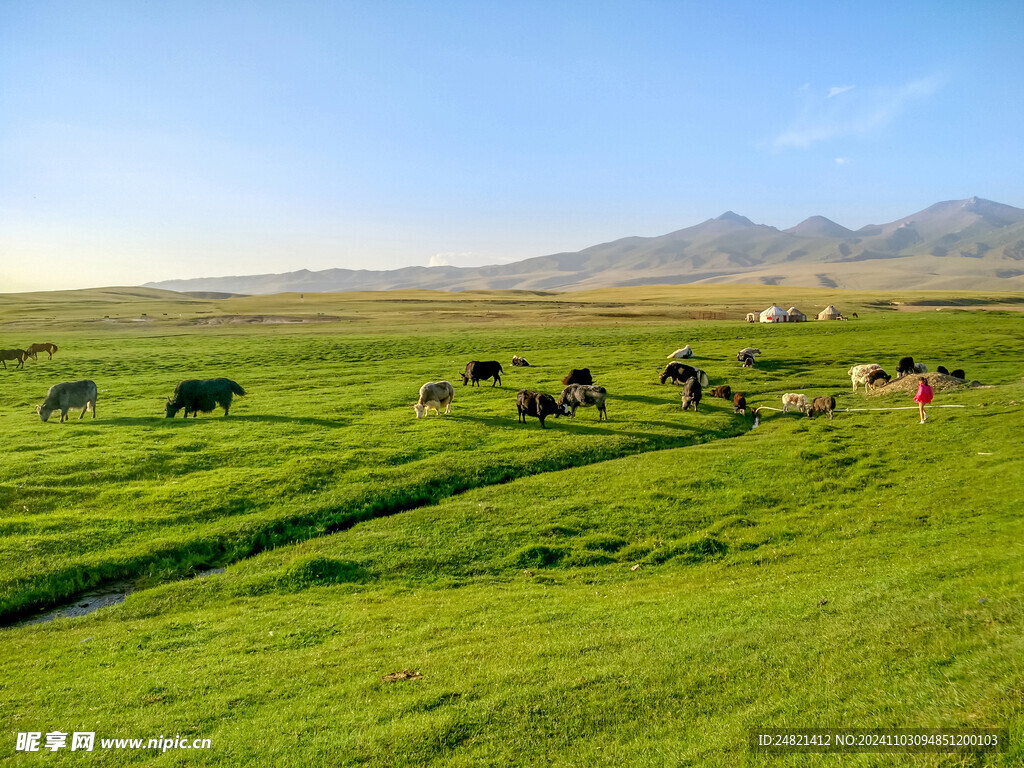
x: 637, y: 592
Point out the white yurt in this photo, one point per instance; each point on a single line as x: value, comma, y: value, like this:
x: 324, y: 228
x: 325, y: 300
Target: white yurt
x: 829, y: 313
x: 796, y: 316
x: 774, y: 314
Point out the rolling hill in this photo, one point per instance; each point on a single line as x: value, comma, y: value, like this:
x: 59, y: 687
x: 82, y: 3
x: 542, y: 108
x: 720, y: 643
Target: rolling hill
x: 972, y: 244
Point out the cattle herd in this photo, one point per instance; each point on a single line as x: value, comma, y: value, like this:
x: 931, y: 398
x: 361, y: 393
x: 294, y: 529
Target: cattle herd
x: 194, y: 396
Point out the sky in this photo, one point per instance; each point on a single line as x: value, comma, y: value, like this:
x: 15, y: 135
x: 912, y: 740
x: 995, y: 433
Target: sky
x: 144, y: 141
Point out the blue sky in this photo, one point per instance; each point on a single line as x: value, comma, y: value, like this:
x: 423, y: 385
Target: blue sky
x: 144, y: 141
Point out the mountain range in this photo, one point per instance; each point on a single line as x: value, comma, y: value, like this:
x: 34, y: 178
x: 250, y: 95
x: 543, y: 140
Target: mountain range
x: 972, y: 244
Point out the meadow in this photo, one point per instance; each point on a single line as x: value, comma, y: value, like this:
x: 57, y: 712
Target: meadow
x: 642, y: 591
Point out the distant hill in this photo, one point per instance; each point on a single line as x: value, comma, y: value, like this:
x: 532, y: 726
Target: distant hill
x: 972, y: 244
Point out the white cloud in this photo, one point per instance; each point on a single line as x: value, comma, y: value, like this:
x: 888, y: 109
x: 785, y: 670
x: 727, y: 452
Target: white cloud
x: 446, y: 259
x: 842, y: 160
x: 866, y: 111
x: 836, y: 90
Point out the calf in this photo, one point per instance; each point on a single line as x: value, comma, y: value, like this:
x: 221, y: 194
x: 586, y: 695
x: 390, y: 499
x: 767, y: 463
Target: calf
x: 747, y: 352
x: 823, y: 405
x: 691, y: 393
x: 578, y: 376
x: 477, y: 370
x: 539, y: 405
x: 748, y: 361
x: 195, y: 395
x: 876, y: 376
x: 67, y: 395
x: 680, y: 372
x: 942, y: 369
x: 13, y: 354
x: 794, y: 400
x: 723, y: 391
x: 739, y: 404
x: 585, y: 395
x: 434, y: 394
x: 519, y: 362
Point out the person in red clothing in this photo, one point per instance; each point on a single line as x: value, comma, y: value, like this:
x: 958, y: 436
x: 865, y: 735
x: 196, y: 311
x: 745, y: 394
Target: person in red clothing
x: 923, y: 397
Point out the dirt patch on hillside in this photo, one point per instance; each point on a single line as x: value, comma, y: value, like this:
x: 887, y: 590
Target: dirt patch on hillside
x: 264, y: 319
x: 939, y: 382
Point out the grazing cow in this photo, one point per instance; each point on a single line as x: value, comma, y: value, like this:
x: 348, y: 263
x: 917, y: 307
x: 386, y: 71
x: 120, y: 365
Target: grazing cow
x: 854, y: 315
x: 67, y: 395
x: 920, y: 368
x: 477, y: 370
x: 942, y: 369
x: 13, y: 354
x: 739, y: 404
x: 904, y: 366
x: 876, y: 376
x: 959, y: 374
x: 748, y: 361
x: 436, y: 395
x: 680, y: 372
x: 539, y: 405
x: 682, y: 354
x: 519, y: 362
x: 47, y: 347
x: 723, y: 391
x: 823, y: 405
x: 859, y: 373
x: 747, y: 352
x: 691, y: 393
x: 794, y: 400
x: 585, y: 395
x: 578, y: 376
x: 195, y: 395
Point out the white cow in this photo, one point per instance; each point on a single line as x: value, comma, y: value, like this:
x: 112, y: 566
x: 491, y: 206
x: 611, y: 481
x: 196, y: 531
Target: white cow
x: 859, y: 373
x: 436, y: 395
x: 681, y: 354
x: 794, y: 400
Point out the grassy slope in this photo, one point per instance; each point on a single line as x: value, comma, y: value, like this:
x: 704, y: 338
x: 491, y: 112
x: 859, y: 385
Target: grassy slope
x: 584, y: 661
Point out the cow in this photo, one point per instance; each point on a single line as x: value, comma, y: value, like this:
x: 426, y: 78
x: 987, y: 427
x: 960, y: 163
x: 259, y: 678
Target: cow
x: 920, y: 368
x: 859, y: 373
x: 519, y: 362
x: 904, y: 366
x: 195, y: 395
x: 682, y: 354
x: 578, y: 376
x: 33, y: 349
x: 585, y: 395
x: 794, y: 400
x: 959, y: 374
x: 747, y: 352
x: 739, y: 404
x: 748, y: 361
x: 538, y: 405
x: 691, y: 393
x: 823, y: 405
x: 876, y: 376
x: 67, y: 395
x: 723, y: 391
x: 477, y: 370
x: 13, y: 354
x: 436, y: 395
x: 680, y: 372
x: 942, y: 369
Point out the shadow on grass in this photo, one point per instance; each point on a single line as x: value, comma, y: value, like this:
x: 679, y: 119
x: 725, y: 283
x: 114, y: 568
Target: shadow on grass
x: 156, y: 421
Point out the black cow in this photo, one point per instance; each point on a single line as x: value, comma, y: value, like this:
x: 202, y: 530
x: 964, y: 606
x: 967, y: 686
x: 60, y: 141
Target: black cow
x: 942, y: 369
x: 539, y: 405
x: 477, y: 370
x: 875, y: 376
x: 905, y: 366
x: 823, y: 405
x: 680, y: 372
x: 195, y: 395
x: 959, y: 374
x: 578, y: 376
x: 691, y: 393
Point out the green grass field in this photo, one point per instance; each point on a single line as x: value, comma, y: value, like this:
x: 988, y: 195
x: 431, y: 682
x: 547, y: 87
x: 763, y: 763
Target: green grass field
x: 638, y: 592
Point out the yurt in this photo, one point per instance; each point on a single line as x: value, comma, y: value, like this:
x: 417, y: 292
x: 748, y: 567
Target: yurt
x: 796, y: 316
x: 774, y: 314
x: 829, y: 313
